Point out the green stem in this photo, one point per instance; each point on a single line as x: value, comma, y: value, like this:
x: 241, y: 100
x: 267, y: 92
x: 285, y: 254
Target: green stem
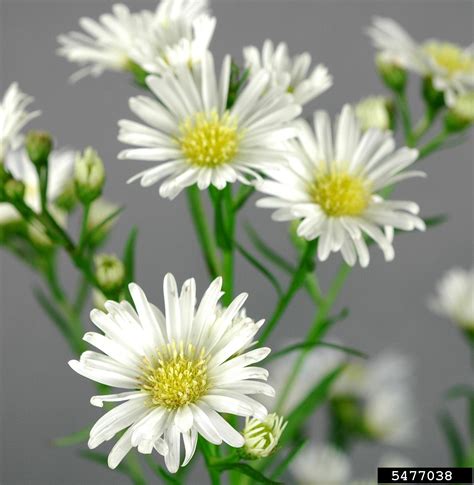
x: 202, y: 230
x: 424, y: 124
x: 404, y: 109
x: 317, y: 329
x: 207, y: 451
x: 434, y: 144
x: 83, y: 234
x: 228, y: 252
x: 295, y: 283
x: 43, y: 182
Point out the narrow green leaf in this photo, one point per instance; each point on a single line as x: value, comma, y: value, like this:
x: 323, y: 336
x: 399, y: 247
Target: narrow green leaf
x: 309, y: 404
x: 265, y: 250
x: 245, y: 469
x: 310, y: 345
x: 80, y: 436
x: 260, y: 267
x: 129, y: 255
x: 52, y: 313
x: 453, y: 437
x: 283, y: 465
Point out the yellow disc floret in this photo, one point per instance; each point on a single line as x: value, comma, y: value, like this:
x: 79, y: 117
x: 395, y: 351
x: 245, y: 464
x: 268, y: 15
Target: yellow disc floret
x: 209, y: 140
x: 450, y: 57
x: 340, y: 193
x: 176, y: 377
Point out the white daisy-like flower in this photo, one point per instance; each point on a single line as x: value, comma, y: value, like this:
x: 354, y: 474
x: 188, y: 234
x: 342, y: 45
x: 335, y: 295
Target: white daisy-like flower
x: 179, y: 36
x: 180, y: 370
x: 106, y: 44
x: 455, y: 298
x: 60, y: 168
x: 291, y: 74
x: 450, y: 65
x: 200, y: 140
x: 333, y: 186
x: 13, y: 117
x: 321, y: 464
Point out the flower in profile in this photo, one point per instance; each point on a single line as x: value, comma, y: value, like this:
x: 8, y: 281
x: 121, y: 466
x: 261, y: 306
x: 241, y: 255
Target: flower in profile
x: 180, y: 370
x: 60, y: 163
x: 291, y: 74
x: 262, y: 436
x: 196, y: 139
x: 374, y: 112
x: 450, y: 66
x: 455, y: 298
x: 334, y: 187
x: 13, y: 117
x: 321, y: 464
x: 179, y: 35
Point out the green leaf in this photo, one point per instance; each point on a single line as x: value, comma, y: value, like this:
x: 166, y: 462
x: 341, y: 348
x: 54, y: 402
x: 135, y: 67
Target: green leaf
x: 52, y: 313
x: 260, y: 267
x: 453, y: 438
x: 310, y: 345
x: 265, y: 250
x: 94, y: 233
x: 73, y: 439
x: 245, y: 469
x: 283, y: 465
x: 310, y: 403
x: 129, y: 256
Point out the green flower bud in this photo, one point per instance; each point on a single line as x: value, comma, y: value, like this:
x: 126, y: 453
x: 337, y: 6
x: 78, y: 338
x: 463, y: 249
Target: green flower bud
x: 262, y: 437
x: 67, y: 200
x: 15, y: 190
x: 375, y: 112
x: 461, y: 114
x: 110, y: 272
x: 393, y: 75
x: 89, y: 176
x: 38, y: 236
x: 432, y: 96
x: 38, y: 146
x: 99, y: 211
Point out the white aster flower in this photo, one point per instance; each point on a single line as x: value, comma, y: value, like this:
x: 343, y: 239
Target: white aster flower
x: 198, y: 138
x: 455, y: 298
x: 321, y: 465
x: 179, y: 36
x: 450, y: 66
x: 262, y: 436
x: 105, y: 44
x: 373, y: 112
x: 60, y: 163
x: 291, y: 74
x: 13, y: 117
x: 333, y: 186
x: 180, y: 370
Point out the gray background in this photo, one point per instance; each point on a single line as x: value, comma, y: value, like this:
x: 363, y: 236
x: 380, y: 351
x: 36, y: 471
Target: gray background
x: 42, y: 398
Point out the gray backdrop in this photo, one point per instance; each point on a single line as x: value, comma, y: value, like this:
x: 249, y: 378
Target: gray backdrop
x: 42, y: 398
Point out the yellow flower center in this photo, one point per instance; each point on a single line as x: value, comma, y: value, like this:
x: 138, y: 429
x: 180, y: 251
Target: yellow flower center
x: 450, y: 57
x: 340, y: 194
x: 208, y: 140
x: 176, y: 377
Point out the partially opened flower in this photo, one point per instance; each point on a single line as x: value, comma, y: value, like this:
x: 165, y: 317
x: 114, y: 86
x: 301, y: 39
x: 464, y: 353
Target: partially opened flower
x: 455, y: 298
x: 321, y: 464
x: 180, y: 370
x: 290, y: 73
x: 262, y: 436
x: 177, y: 32
x: 60, y: 164
x: 196, y: 139
x: 334, y: 186
x: 13, y: 117
x: 450, y: 66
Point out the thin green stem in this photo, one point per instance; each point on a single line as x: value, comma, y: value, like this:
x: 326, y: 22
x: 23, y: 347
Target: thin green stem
x: 228, y: 252
x: 207, y: 451
x: 43, y: 182
x: 296, y: 282
x: 203, y: 232
x: 404, y: 109
x: 83, y: 233
x: 424, y: 124
x: 317, y: 329
x: 434, y: 144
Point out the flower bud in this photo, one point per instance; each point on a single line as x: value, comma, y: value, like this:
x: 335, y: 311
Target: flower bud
x: 262, y: 437
x: 38, y: 146
x: 461, y: 114
x: 67, y: 199
x: 432, y: 96
x: 15, y: 190
x: 110, y: 272
x: 99, y: 212
x: 89, y: 176
x: 375, y: 112
x: 38, y: 236
x: 393, y: 75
